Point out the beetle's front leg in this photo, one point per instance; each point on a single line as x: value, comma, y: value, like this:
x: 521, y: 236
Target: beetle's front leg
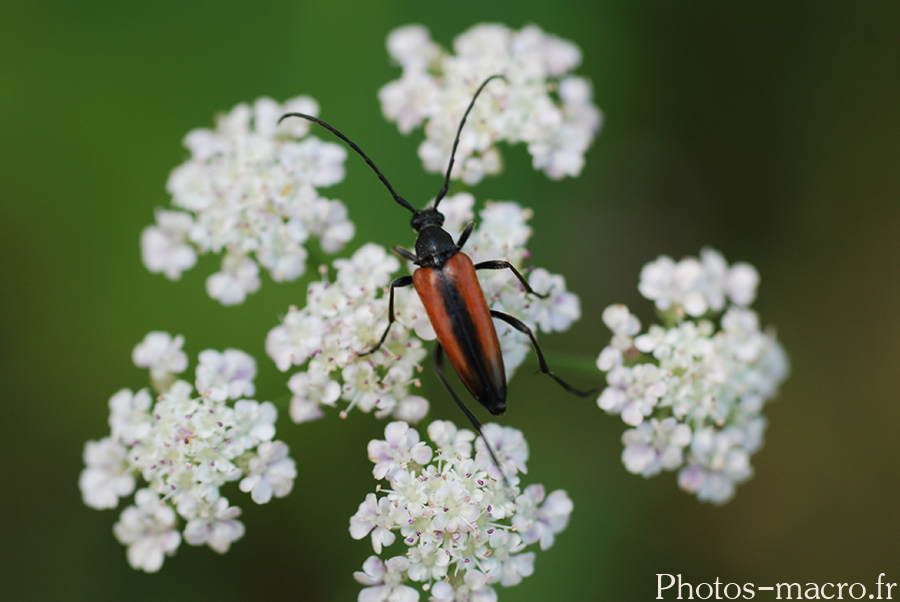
x: 397, y: 283
x: 405, y: 254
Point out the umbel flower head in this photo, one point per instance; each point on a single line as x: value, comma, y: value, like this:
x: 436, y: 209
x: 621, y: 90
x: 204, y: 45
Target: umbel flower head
x: 541, y: 103
x: 184, y: 446
x: 346, y: 315
x: 463, y: 528
x: 693, y: 389
x: 249, y: 192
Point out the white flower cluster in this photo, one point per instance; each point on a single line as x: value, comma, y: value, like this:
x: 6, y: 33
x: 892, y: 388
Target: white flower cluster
x: 693, y: 389
x: 463, y: 528
x: 185, y: 446
x: 541, y: 104
x: 250, y: 189
x: 346, y: 317
x: 341, y: 320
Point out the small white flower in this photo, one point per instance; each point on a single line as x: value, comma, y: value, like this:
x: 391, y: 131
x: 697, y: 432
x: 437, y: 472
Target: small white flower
x: 162, y: 355
x: 406, y: 100
x: 624, y: 327
x: 147, y: 530
x: 540, y: 517
x: 509, y: 564
x: 254, y: 423
x: 385, y: 581
x: 165, y: 248
x: 400, y: 445
x: 106, y: 476
x: 632, y: 392
x: 741, y: 283
x: 239, y: 277
x: 272, y: 473
x: 451, y: 440
x: 509, y: 446
x: 655, y: 445
x: 330, y: 223
x: 374, y: 516
x: 411, y: 409
x: 412, y: 43
x: 474, y: 588
x: 742, y: 336
x: 226, y: 375
x: 216, y: 526
x: 129, y: 420
x: 620, y: 321
x: 564, y: 307
x: 720, y: 462
x: 311, y: 391
x: 368, y: 270
x: 675, y: 285
x: 296, y: 339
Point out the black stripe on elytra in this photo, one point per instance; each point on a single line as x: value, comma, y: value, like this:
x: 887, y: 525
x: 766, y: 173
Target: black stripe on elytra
x: 467, y: 336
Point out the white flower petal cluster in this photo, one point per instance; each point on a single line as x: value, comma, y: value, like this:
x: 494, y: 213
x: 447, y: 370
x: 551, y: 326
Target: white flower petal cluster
x: 249, y: 192
x: 464, y: 530
x: 184, y: 446
x: 147, y: 528
x: 345, y: 317
x: 693, y: 389
x: 385, y: 580
x: 342, y: 319
x: 694, y: 286
x: 161, y: 353
x: 541, y: 104
x: 226, y: 375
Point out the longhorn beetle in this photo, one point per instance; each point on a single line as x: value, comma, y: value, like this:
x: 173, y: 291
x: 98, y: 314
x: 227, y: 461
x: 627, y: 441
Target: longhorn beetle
x: 454, y: 302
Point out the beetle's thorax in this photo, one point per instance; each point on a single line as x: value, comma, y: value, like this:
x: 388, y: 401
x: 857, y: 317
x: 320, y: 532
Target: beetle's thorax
x: 434, y: 245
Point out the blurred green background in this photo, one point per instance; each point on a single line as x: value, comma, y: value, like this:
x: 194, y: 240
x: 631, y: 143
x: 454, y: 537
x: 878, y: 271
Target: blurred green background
x: 770, y: 131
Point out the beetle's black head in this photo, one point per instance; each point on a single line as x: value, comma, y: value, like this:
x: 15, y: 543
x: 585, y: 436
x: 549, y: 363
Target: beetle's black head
x: 425, y: 218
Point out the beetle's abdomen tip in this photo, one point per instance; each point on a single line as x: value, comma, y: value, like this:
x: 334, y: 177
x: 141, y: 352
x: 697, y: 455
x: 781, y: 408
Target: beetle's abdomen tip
x: 497, y: 407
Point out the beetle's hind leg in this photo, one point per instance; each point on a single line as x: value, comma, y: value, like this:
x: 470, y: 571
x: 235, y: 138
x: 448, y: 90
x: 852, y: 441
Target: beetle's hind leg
x: 397, y: 283
x: 522, y: 327
x: 439, y: 368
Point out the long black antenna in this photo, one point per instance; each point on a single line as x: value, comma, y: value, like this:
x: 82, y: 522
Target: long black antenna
x: 400, y: 200
x: 446, y: 185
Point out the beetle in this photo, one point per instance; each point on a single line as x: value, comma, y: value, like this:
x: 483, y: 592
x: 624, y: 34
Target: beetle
x: 446, y: 282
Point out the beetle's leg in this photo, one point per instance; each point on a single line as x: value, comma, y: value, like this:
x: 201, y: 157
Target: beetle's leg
x: 499, y: 264
x: 521, y: 327
x: 439, y: 368
x: 397, y: 283
x: 465, y: 234
x: 405, y: 254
